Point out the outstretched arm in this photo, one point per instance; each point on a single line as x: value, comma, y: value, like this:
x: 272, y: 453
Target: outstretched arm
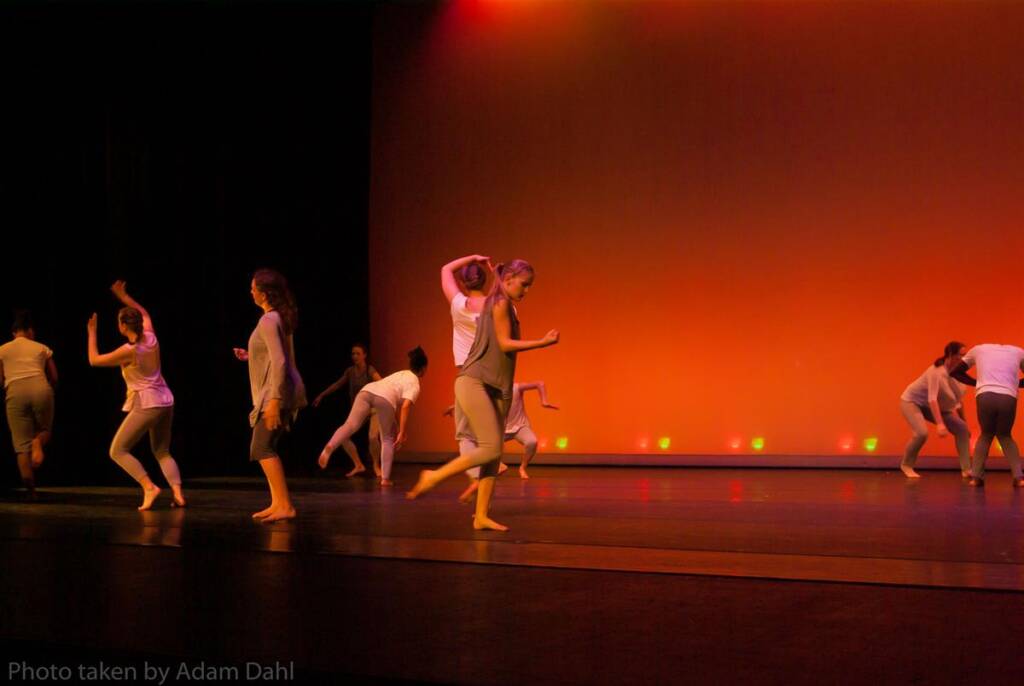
x: 503, y: 329
x: 403, y: 423
x: 120, y: 292
x: 331, y: 389
x: 960, y: 374
x: 112, y: 359
x: 448, y: 283
x: 541, y: 391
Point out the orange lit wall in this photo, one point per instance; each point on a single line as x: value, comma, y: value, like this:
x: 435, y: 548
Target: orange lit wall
x: 746, y: 220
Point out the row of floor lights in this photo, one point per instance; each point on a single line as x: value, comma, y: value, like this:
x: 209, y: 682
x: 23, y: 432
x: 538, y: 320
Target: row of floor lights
x: 757, y: 443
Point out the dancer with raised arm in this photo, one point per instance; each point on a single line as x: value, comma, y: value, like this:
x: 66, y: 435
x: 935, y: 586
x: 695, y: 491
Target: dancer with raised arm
x: 999, y: 368
x: 28, y: 376
x: 277, y: 390
x: 150, y: 403
x: 483, y: 389
x: 936, y: 398
x: 356, y: 377
x: 393, y: 395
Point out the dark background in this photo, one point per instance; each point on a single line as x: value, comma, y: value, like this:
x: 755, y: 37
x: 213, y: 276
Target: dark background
x: 180, y: 146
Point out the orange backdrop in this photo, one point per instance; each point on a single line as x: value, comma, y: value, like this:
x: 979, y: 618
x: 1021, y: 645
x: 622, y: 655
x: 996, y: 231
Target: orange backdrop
x: 747, y: 220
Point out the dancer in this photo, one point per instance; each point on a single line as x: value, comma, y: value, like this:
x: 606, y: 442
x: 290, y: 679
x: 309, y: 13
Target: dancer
x: 28, y: 375
x: 483, y: 389
x: 355, y: 377
x: 150, y: 404
x: 935, y: 397
x: 999, y: 368
x: 394, y: 394
x: 517, y: 428
x: 277, y: 390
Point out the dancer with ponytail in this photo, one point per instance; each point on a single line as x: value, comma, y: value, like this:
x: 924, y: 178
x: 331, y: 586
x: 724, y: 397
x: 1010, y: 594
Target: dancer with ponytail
x: 28, y: 376
x: 483, y: 388
x: 937, y: 398
x: 150, y: 404
x: 392, y: 395
x: 277, y: 390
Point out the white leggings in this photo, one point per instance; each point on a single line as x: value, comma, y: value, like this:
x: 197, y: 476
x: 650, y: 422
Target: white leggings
x: 361, y: 407
x: 916, y: 416
x: 156, y: 421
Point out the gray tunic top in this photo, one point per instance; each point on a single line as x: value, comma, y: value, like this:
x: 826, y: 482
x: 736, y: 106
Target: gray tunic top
x: 272, y: 371
x: 485, y: 360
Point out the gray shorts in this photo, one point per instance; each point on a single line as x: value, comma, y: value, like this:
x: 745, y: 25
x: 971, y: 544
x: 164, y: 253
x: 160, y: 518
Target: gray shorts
x: 29, y: 410
x: 264, y: 441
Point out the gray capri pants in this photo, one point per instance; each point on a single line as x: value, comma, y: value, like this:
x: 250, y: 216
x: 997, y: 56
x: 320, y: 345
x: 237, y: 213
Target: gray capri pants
x: 29, y: 410
x: 486, y: 409
x: 264, y: 441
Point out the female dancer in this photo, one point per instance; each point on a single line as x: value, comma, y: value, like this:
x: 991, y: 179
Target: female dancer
x: 935, y: 397
x: 464, y: 309
x: 277, y: 390
x: 483, y: 389
x: 999, y: 368
x: 28, y: 375
x: 517, y: 428
x: 150, y: 404
x: 357, y: 376
x: 392, y: 395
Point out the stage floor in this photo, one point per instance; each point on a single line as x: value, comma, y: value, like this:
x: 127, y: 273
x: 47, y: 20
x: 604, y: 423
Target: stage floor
x: 684, y: 531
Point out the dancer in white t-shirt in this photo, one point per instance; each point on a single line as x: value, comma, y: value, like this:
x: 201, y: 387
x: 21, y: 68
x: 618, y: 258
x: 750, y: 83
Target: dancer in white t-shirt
x: 998, y: 378
x: 149, y: 404
x: 936, y: 398
x: 392, y: 395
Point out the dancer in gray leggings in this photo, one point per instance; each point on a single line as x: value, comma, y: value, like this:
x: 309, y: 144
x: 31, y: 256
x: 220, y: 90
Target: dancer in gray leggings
x: 998, y: 381
x: 149, y: 404
x: 936, y: 398
x: 394, y: 394
x: 28, y: 376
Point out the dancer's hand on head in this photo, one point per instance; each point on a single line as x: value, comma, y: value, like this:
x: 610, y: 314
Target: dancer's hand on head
x: 241, y: 354
x: 942, y: 431
x: 551, y: 337
x: 91, y: 324
x: 119, y: 289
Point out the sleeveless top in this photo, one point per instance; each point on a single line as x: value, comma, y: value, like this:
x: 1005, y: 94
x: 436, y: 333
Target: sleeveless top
x: 485, y: 360
x: 146, y: 385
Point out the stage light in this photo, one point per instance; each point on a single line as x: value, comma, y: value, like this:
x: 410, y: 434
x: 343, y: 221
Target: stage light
x: 643, y: 443
x: 757, y: 443
x: 543, y: 443
x: 736, y: 443
x: 846, y: 443
x: 664, y: 442
x: 870, y: 443
x: 562, y: 442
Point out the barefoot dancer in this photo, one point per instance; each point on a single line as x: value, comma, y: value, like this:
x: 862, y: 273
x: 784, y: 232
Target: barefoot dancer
x: 277, y: 390
x: 999, y: 368
x: 483, y: 389
x: 150, y: 404
x: 935, y: 397
x: 392, y: 395
x: 518, y: 429
x: 355, y: 377
x: 28, y: 376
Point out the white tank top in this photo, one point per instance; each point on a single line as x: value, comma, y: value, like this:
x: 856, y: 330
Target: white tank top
x: 146, y: 385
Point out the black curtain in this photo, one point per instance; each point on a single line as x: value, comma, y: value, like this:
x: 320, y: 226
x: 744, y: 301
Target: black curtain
x: 180, y: 146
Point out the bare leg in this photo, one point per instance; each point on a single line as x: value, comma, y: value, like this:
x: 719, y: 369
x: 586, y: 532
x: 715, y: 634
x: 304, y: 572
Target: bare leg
x: 483, y: 504
x: 41, y: 439
x: 280, y: 503
x: 353, y: 453
x: 374, y: 444
x: 149, y: 493
x: 529, y: 441
x: 467, y: 495
x: 28, y: 475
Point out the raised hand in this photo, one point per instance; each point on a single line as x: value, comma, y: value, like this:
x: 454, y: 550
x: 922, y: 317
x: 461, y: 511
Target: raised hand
x: 119, y: 289
x: 240, y: 353
x: 91, y: 324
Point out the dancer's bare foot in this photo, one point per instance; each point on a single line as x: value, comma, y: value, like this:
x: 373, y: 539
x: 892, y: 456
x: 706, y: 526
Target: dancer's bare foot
x: 37, y: 453
x: 376, y: 471
x: 909, y: 472
x: 325, y: 457
x: 965, y: 474
x: 148, y: 496
x: 522, y: 472
x: 486, y: 523
x: 467, y: 495
x: 386, y: 483
x: 427, y: 480
x: 358, y: 469
x: 263, y: 513
x: 177, y: 497
x: 502, y: 468
x: 278, y: 515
